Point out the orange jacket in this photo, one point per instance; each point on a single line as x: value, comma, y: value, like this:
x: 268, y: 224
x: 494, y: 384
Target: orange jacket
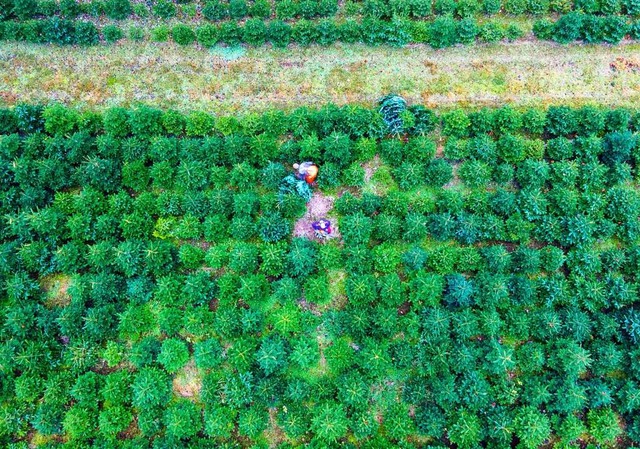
x: 312, y: 174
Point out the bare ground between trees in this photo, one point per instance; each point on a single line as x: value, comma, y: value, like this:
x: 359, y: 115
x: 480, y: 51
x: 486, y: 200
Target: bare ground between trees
x: 317, y: 208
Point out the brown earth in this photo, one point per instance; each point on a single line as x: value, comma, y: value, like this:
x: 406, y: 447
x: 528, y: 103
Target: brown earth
x: 317, y: 208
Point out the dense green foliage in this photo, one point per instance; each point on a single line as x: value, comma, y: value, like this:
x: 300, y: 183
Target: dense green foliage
x: 440, y: 23
x: 291, y: 10
x: 154, y: 295
x: 441, y: 32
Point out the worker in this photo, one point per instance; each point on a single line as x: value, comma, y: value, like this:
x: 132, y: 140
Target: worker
x: 307, y: 171
x: 322, y: 228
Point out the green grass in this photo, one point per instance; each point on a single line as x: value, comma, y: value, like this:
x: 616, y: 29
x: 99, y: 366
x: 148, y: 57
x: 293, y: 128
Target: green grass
x: 231, y: 80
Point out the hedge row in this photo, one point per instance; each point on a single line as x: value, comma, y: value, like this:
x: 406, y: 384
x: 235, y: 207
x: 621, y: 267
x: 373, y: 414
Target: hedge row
x: 217, y: 10
x: 440, y: 33
x: 354, y: 121
x: 586, y: 28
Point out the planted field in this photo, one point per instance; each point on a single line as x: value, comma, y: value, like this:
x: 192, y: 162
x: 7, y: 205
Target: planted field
x: 440, y: 24
x: 162, y: 288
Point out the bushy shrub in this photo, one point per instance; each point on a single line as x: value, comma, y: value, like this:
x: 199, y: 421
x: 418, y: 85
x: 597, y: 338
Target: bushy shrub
x: 610, y: 7
x: 567, y: 28
x: 137, y: 34
x: 24, y: 9
x: 444, y: 7
x: 279, y: 33
x: 141, y: 10
x: 59, y: 120
x: 544, y: 29
x: 514, y: 32
x: 515, y: 7
x: 591, y: 29
x: 538, y: 7
x: 273, y: 227
x: 443, y: 33
x: 199, y: 124
x: 356, y: 228
x: 238, y: 9
x: 561, y: 121
x: 438, y: 173
x: 304, y: 32
x: 114, y: 420
x: 491, y: 7
x: 456, y: 124
x: 69, y: 9
x: 587, y: 6
x: 632, y: 7
x: 118, y: 9
x: 559, y: 148
x: 511, y: 148
x: 617, y: 120
x: 80, y: 423
x: 215, y: 10
x: 164, y: 9
x: 327, y: 32
x: 475, y: 173
x: 59, y: 31
x: 160, y: 33
x: 191, y: 257
x: 349, y: 31
x: 174, y: 354
x: 560, y: 6
x: 230, y: 33
x: 492, y: 32
x: 183, y: 419
x: 614, y: 29
x: 207, y: 35
x: 145, y: 122
x: 6, y: 9
x: 112, y: 33
x: 86, y: 33
x: 151, y: 388
x: 48, y: 418
x: 260, y: 9
x: 617, y: 147
x: 183, y: 35
x: 465, y: 429
x: 603, y: 425
x: 456, y: 149
x: 532, y: 427
x: 468, y: 8
x: 590, y: 120
x: 467, y: 30
x: 8, y: 121
x: 31, y: 31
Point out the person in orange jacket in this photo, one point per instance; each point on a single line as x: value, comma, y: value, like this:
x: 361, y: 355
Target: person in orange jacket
x: 307, y: 171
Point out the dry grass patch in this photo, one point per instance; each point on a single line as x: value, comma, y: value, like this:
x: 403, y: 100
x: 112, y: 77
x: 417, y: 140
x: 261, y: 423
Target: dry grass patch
x: 224, y: 81
x: 317, y: 208
x: 188, y: 381
x: 56, y: 288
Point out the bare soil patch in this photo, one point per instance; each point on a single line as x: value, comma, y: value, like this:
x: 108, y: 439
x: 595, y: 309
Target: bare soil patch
x: 188, y: 382
x: 622, y: 64
x: 56, y: 288
x: 317, y: 208
x: 371, y: 167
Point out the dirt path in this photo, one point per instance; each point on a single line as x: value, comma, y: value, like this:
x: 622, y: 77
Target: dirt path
x: 318, y: 207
